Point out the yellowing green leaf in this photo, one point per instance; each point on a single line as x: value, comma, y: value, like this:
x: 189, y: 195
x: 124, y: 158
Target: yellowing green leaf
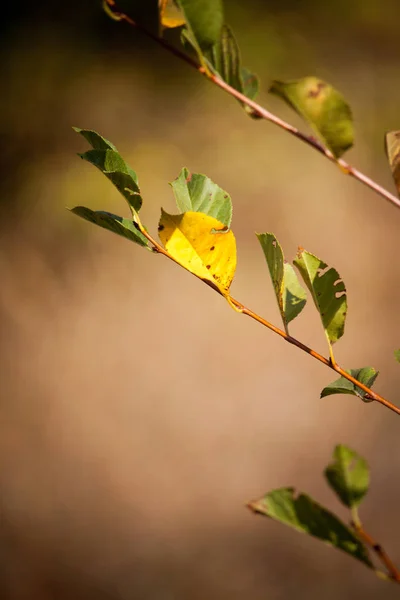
x: 393, y: 154
x: 328, y: 292
x: 323, y: 107
x: 290, y: 296
x: 191, y: 241
x: 170, y: 14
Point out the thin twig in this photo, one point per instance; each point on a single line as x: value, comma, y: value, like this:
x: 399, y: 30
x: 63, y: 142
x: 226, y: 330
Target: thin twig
x: 393, y: 571
x: 288, y: 338
x: 259, y: 111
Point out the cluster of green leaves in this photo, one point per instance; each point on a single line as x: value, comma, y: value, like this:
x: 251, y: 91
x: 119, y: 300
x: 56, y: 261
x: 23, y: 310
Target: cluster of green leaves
x: 200, y: 240
x: 205, y: 32
x: 348, y: 477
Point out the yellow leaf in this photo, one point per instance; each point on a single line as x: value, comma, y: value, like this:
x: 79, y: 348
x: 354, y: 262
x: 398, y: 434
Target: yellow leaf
x: 170, y: 14
x: 190, y: 240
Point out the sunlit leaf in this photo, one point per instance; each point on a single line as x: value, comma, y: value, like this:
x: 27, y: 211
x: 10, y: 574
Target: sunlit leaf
x: 366, y: 376
x: 197, y: 193
x: 328, y: 292
x: 307, y: 516
x: 393, y: 154
x: 291, y: 297
x: 114, y: 223
x: 348, y: 476
x: 323, y: 107
x: 191, y: 240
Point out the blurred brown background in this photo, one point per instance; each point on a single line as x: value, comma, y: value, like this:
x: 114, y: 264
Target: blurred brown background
x: 139, y: 412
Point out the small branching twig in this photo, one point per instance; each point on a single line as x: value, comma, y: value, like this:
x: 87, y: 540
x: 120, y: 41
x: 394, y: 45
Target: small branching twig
x: 258, y: 110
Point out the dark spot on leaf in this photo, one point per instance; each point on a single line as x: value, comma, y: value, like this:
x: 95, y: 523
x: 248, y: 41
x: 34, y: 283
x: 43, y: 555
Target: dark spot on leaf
x: 161, y: 227
x: 225, y: 196
x: 212, y: 248
x: 208, y: 266
x: 274, y: 243
x: 316, y: 91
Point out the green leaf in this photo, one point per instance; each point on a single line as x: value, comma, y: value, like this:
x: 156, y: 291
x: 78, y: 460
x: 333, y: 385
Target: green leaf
x: 112, y: 165
x: 95, y: 140
x: 251, y: 84
x: 397, y: 355
x: 348, y: 476
x: 307, y: 516
x: 114, y: 223
x: 196, y: 192
x: 328, y: 292
x: 223, y: 59
x: 322, y: 107
x: 393, y: 154
x: 204, y: 19
x: 290, y: 296
x: 106, y: 157
x: 366, y: 376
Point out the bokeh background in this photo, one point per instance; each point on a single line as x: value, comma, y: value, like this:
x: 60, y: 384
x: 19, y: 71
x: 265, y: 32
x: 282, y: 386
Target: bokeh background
x: 138, y: 411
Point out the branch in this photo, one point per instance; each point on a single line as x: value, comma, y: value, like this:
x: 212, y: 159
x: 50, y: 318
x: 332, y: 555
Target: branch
x: 393, y: 571
x: 257, y: 109
x: 263, y: 113
x: 288, y: 338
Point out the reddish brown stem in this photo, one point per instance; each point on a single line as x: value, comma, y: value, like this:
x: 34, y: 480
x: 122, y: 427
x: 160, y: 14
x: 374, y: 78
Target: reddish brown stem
x: 393, y: 571
x: 247, y: 311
